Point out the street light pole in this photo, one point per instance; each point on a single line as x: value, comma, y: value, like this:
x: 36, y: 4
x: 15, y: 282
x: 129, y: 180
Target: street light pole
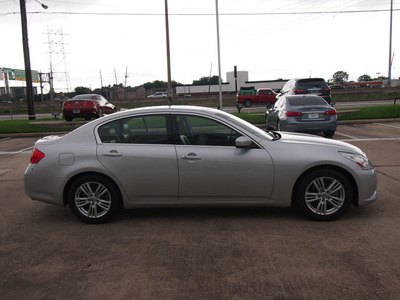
x: 28, y: 71
x: 219, y: 58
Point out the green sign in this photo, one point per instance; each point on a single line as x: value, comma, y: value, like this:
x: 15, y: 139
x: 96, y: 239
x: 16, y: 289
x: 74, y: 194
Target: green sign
x: 15, y: 74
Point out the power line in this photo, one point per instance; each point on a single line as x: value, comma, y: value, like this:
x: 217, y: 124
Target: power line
x: 207, y: 14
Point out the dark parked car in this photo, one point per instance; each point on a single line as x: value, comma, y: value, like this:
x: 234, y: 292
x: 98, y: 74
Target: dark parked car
x: 316, y: 86
x: 302, y: 113
x: 87, y: 106
x: 337, y: 87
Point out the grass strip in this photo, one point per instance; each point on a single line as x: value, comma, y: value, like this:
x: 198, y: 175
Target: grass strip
x: 24, y: 126
x: 372, y: 112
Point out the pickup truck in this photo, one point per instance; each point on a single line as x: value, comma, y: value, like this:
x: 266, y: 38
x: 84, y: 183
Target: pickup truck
x: 261, y: 96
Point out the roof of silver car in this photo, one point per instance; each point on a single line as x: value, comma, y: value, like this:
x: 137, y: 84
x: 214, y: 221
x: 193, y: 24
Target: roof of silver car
x: 176, y: 108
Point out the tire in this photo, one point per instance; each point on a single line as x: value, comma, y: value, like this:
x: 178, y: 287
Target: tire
x: 68, y: 119
x: 278, y: 125
x: 329, y: 133
x: 267, y: 122
x: 247, y: 103
x: 100, y: 113
x: 93, y: 199
x: 324, y: 195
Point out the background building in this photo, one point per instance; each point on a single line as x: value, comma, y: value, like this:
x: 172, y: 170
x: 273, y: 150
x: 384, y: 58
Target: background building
x: 232, y: 84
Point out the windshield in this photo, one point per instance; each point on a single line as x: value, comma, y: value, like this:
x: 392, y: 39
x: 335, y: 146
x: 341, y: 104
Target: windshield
x: 306, y: 101
x: 247, y: 126
x: 310, y: 83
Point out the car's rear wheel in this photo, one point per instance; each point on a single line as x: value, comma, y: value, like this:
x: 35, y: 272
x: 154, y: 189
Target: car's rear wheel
x: 100, y: 113
x: 68, y: 119
x: 324, y: 195
x: 329, y: 133
x: 93, y: 199
x: 247, y: 102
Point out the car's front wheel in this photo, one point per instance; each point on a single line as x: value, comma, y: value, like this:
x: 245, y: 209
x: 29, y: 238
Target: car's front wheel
x: 93, y: 199
x: 278, y: 125
x: 324, y: 195
x: 267, y: 122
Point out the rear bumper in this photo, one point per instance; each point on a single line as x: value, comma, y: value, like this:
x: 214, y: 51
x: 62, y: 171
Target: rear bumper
x: 82, y: 112
x: 316, y: 126
x: 45, y: 189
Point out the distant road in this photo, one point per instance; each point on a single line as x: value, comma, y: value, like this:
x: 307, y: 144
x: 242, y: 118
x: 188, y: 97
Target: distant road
x: 254, y: 108
x: 24, y: 116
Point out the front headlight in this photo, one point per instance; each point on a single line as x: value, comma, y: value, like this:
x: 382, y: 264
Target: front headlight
x: 359, y: 159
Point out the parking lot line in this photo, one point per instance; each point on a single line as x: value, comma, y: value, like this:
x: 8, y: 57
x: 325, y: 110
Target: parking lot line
x: 25, y: 150
x: 346, y: 135
x: 370, y: 139
x: 386, y: 125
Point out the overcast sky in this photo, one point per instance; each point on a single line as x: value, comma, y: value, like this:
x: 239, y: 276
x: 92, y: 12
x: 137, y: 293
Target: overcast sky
x: 269, y: 39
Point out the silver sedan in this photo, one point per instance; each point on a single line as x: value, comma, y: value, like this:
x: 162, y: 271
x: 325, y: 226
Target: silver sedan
x: 185, y: 156
x: 302, y: 113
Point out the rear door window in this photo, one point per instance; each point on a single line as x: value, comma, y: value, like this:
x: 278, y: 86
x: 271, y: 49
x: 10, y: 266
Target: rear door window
x: 148, y: 129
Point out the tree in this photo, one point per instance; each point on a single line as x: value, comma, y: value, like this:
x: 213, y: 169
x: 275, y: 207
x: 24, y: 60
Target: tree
x: 364, y: 78
x: 82, y: 90
x: 206, y: 80
x: 158, y: 84
x: 340, y: 77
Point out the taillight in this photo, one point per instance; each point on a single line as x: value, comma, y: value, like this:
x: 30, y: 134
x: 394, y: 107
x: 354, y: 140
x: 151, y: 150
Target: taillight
x: 92, y: 103
x: 299, y: 91
x: 67, y: 104
x: 36, y: 156
x: 331, y: 112
x: 294, y: 113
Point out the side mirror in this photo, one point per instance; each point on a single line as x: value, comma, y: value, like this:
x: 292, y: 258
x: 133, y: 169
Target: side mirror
x: 243, y: 142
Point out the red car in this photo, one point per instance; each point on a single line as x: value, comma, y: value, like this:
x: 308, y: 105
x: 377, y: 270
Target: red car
x: 87, y: 106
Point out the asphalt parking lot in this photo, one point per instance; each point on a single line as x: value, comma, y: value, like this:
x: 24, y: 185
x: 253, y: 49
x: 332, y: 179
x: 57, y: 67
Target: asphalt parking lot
x: 206, y: 253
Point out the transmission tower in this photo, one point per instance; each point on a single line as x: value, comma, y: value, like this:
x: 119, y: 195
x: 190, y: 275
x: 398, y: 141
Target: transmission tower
x: 58, y: 62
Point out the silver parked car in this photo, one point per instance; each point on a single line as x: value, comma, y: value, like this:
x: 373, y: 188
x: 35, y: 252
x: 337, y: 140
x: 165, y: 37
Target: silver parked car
x: 185, y: 156
x: 302, y: 113
x: 158, y: 95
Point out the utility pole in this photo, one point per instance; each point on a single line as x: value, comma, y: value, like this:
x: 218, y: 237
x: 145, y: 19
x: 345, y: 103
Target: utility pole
x: 115, y: 75
x: 101, y: 80
x: 169, y: 90
x: 28, y: 71
x: 390, y: 46
x: 126, y: 78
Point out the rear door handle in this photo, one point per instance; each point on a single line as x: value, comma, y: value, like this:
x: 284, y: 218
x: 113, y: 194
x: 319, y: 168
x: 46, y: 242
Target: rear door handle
x: 112, y: 153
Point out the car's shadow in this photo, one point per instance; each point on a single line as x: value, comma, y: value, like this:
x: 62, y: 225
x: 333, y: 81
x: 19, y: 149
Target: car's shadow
x: 208, y: 213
